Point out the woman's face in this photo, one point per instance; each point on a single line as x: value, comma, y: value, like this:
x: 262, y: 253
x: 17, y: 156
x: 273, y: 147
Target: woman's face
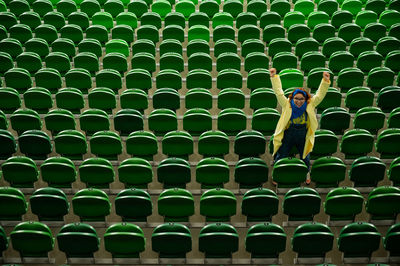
x: 299, y: 99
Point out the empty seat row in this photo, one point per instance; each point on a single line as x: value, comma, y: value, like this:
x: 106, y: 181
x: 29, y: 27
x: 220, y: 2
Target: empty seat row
x: 217, y: 240
x: 216, y: 205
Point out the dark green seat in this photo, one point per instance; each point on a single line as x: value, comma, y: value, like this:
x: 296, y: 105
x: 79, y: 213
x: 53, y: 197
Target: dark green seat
x: 249, y: 143
x: 381, y: 203
x: 336, y: 119
x: 369, y: 118
x: 109, y: 78
x: 167, y: 98
x: 61, y: 45
x: 38, y: 99
x: 48, y: 78
x: 199, y: 78
x: 91, y: 204
x: 212, y: 172
x: 25, y: 119
x: 349, y: 78
x: 96, y: 172
x: 213, y: 143
x: 367, y: 171
x: 343, y: 203
x: 328, y: 171
x: 380, y: 77
x: 218, y: 240
x: 279, y: 45
x: 133, y: 197
x: 289, y: 172
x: 9, y: 100
x: 171, y: 240
x: 58, y: 120
x: 78, y: 240
x: 230, y: 98
x: 258, y: 78
x: 325, y: 143
x: 218, y: 204
x: 359, y: 45
x: 138, y: 79
x: 393, y: 171
x: 134, y: 99
x: 174, y: 172
x: 314, y: 79
x: 359, y: 97
x: 29, y: 61
x: 252, y: 45
x: 301, y: 204
x: 35, y: 144
x: 231, y: 121
x: 177, y: 144
x: 200, y: 60
x: 90, y: 45
x: 358, y: 239
x: 142, y: 144
x: 386, y: 98
x: 312, y: 240
x: 393, y: 120
x: 93, y: 120
x: 169, y: 78
x: 71, y: 144
x: 251, y: 172
x: 229, y: 78
x: 3, y: 241
x: 87, y: 61
x: 106, y: 144
x: 200, y: 98
x: 162, y: 121
x: 197, y: 120
x: 13, y: 204
x: 386, y: 143
x: 18, y: 79
x: 32, y: 239
x: 7, y: 143
x: 391, y: 240
x: 176, y: 205
x: 269, y: 17
x: 127, y: 121
x: 58, y: 172
x: 265, y: 240
x: 259, y: 204
x: 368, y: 60
x: 49, y: 204
x: 332, y: 98
x: 135, y: 172
x: 356, y: 143
x: 261, y: 98
x: 78, y: 78
x: 11, y: 46
x: 124, y: 240
x: 264, y: 120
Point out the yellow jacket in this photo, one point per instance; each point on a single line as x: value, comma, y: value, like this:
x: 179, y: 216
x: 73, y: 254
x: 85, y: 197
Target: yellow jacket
x: 287, y: 112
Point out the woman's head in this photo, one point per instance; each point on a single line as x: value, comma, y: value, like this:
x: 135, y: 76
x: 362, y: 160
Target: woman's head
x: 299, y: 96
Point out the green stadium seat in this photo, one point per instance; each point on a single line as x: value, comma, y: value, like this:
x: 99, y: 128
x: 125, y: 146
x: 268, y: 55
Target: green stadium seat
x: 106, y: 144
x: 292, y: 18
x: 90, y: 7
x: 50, y: 170
x: 356, y: 143
x: 268, y: 18
x: 379, y: 78
x: 385, y: 144
x: 381, y: 203
x: 394, y: 30
x: 171, y: 240
x: 78, y: 240
x: 358, y: 239
x: 90, y: 204
x: 32, y: 239
x: 25, y: 119
x: 378, y: 6
x: 127, y: 121
x: 109, y: 78
x: 197, y: 98
x: 93, y: 120
x: 387, y: 44
x: 265, y: 240
x: 40, y: 46
x: 222, y: 32
x: 38, y: 99
x: 58, y: 61
x: 229, y: 78
x: 144, y: 60
x: 217, y: 204
x: 173, y: 32
x: 391, y: 60
x: 17, y: 7
x: 359, y: 45
x: 102, y: 98
x: 9, y: 100
x: 231, y: 121
x: 200, y: 61
x: 35, y: 144
x: 3, y: 239
x: 197, y: 120
x: 325, y: 144
x: 8, y: 19
x: 103, y: 18
x: 332, y: 98
x: 137, y: 7
x: 374, y: 31
x: 148, y: 32
x: 30, y: 18
x: 323, y: 31
x: 197, y: 45
x: 259, y: 204
x: 297, y: 32
x: 135, y: 173
x: 48, y: 31
x: 389, y: 17
x: 199, y: 18
x: 393, y: 120
x: 150, y: 19
x: 349, y: 78
x: 304, y: 6
x: 251, y: 172
x: 90, y: 45
x: 273, y: 31
x: 365, y: 17
x: 177, y: 144
x: 212, y: 172
x: 209, y: 7
x: 250, y: 46
x: 133, y: 197
x: 284, y: 60
x: 199, y: 78
x: 88, y: 61
x: 339, y: 60
x: 301, y: 203
x: 332, y: 45
x: 172, y: 61
x: 175, y: 205
x: 248, y: 32
x: 265, y: 120
x: 72, y: 32
x: 262, y: 98
x: 312, y: 240
x: 341, y: 17
x: 70, y: 99
x: 20, y: 32
x: 124, y: 240
x: 96, y: 172
x: 367, y: 171
x: 11, y: 46
x: 142, y: 144
x: 282, y: 172
x: 279, y: 45
x: 138, y: 79
x: 311, y: 60
x: 113, y: 7
x: 353, y: 6
x: 249, y: 143
x: 175, y: 18
x: 224, y: 45
x: 234, y: 7
x: 135, y: 99
x: 368, y: 60
x: 343, y: 203
x: 97, y: 32
x: 13, y: 204
x: 169, y: 78
x: 8, y: 143
x: 317, y: 17
x: 173, y: 172
x: 185, y: 7
x: 230, y: 98
x: 71, y: 144
x: 126, y: 18
x: 328, y: 171
x: 280, y: 6
x: 291, y: 77
x: 20, y: 171
x: 370, y: 118
x: 171, y: 44
x: 49, y: 204
x: 80, y: 19
x: 305, y: 45
x: 257, y: 7
x: 66, y: 7
x: 7, y: 62
x: 390, y: 240
x: 330, y: 119
x: 213, y: 144
x: 49, y: 78
x: 385, y: 99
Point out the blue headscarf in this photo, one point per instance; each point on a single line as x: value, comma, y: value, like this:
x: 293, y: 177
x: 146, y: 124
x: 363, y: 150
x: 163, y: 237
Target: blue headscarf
x: 298, y: 111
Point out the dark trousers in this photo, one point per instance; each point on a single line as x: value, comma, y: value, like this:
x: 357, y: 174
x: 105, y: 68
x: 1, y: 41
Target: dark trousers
x: 294, y: 136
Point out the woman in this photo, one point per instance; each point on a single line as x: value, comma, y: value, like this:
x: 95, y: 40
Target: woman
x: 298, y: 121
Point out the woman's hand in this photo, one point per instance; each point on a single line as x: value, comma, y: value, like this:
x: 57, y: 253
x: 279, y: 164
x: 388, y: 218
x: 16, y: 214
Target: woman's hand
x: 326, y: 76
x: 272, y: 72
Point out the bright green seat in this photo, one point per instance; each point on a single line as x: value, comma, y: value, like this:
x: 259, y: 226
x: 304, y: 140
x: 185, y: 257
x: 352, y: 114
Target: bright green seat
x: 301, y: 203
x: 13, y: 204
x: 173, y: 172
x: 317, y: 17
x: 127, y: 18
x: 142, y: 144
x: 291, y: 78
x: 185, y: 7
x: 58, y: 172
x: 200, y: 32
x: 212, y: 172
x: 20, y: 171
x: 71, y: 144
